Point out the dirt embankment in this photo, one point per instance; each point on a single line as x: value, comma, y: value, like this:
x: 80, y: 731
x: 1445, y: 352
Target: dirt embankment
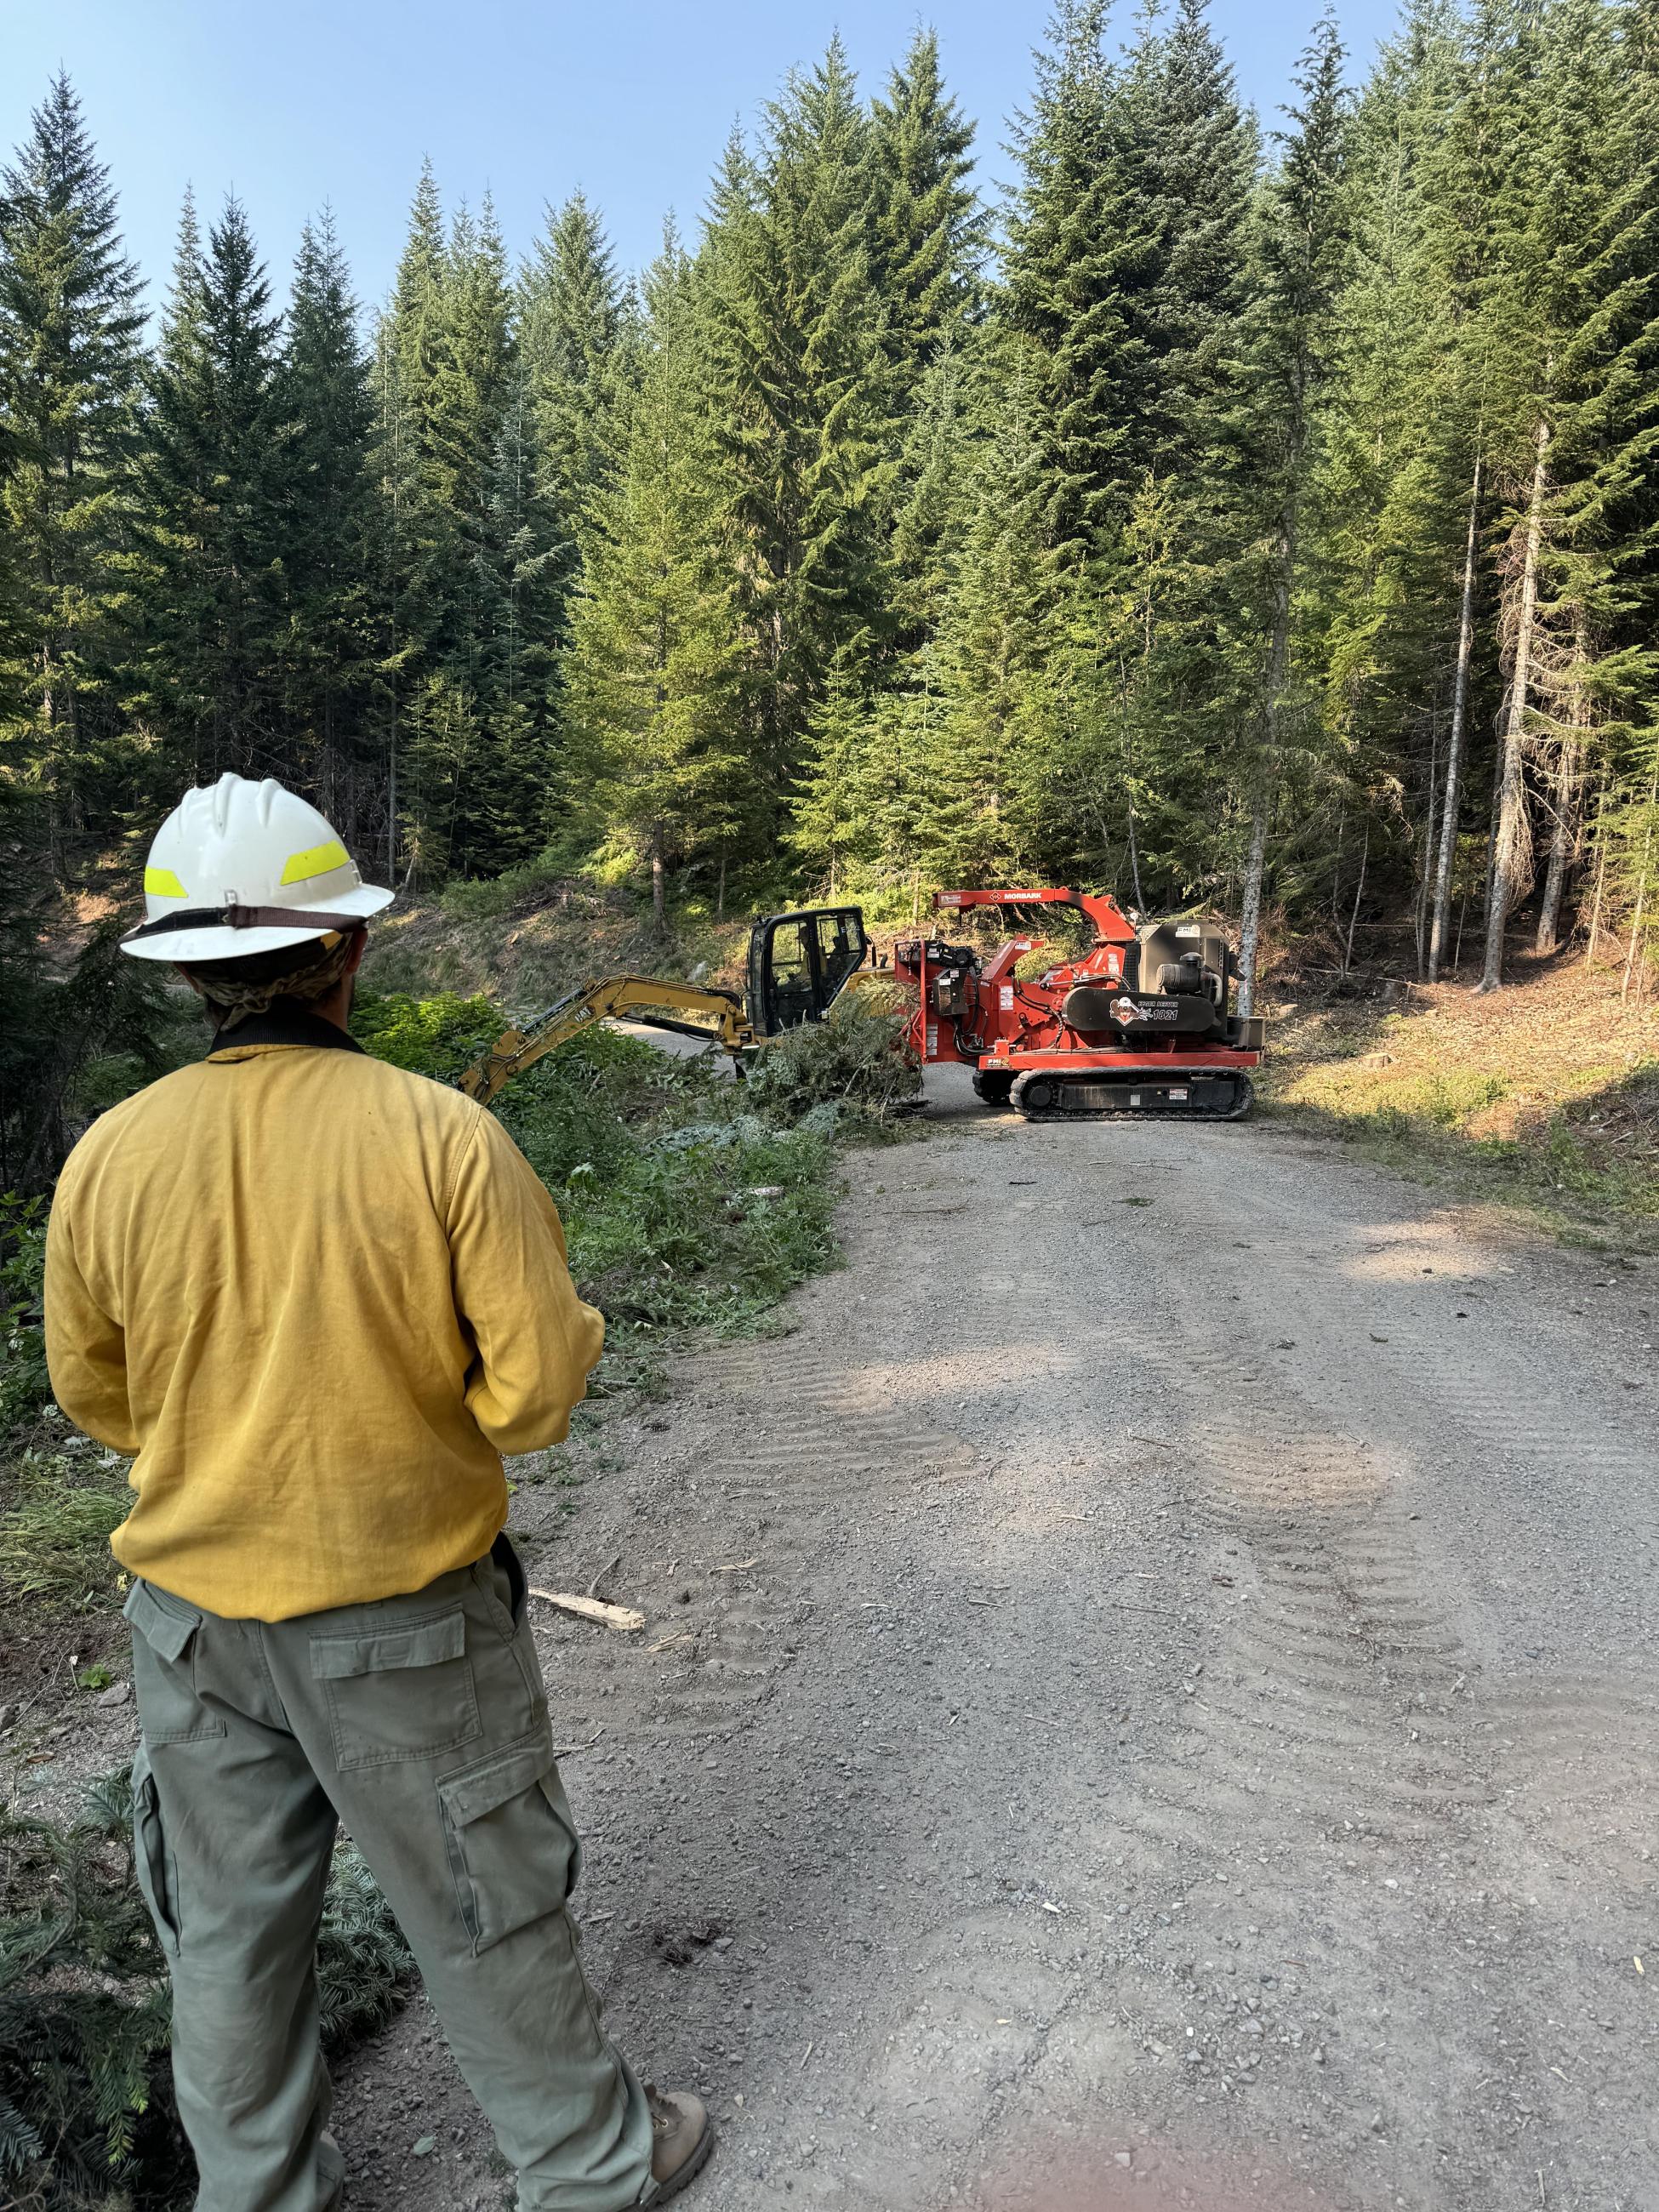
x: 527, y: 948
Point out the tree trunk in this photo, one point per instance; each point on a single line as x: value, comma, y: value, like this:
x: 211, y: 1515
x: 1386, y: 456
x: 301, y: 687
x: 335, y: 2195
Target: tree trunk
x: 391, y: 795
x: 1491, y: 824
x: 1600, y: 874
x: 1564, y: 841
x: 1255, y: 867
x: 1420, y: 907
x: 1635, y: 938
x: 659, y: 887
x: 1442, y: 874
x: 1564, y: 836
x: 1359, y: 893
x: 1249, y: 918
x: 1134, y: 854
x: 1512, y: 848
x: 1642, y: 888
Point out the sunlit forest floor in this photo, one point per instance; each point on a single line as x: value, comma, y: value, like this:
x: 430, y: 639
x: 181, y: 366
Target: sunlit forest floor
x: 1542, y: 1097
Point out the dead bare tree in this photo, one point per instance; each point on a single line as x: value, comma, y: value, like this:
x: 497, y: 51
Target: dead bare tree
x: 1455, y: 744
x: 1512, y: 845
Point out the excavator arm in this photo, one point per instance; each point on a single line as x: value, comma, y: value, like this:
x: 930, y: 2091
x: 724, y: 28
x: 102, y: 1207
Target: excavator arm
x: 717, y: 1015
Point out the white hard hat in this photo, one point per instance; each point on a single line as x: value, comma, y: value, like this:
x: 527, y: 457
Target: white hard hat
x: 238, y: 868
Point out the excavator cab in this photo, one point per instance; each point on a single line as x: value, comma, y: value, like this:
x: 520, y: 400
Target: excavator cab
x: 799, y: 963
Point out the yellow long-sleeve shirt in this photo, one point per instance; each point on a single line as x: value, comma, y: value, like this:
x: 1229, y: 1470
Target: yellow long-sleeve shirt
x: 318, y: 1297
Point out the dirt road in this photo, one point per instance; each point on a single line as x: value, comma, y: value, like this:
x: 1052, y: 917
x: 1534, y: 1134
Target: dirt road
x: 1149, y: 1697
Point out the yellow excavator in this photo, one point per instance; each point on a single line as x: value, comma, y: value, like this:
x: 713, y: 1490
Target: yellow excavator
x: 799, y: 965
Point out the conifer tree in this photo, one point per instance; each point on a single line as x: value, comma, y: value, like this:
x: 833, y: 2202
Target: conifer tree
x: 526, y: 790
x: 989, y: 773
x: 652, y: 689
x: 416, y: 316
x: 1198, y: 163
x: 69, y: 329
x: 797, y: 353
x: 930, y: 504
x: 333, y: 539
x: 1080, y: 269
x: 455, y: 444
x: 928, y: 227
x: 410, y: 345
x: 211, y: 494
x: 574, y: 323
x: 1567, y: 327
x: 1386, y: 534
x: 1301, y: 248
x: 472, y: 377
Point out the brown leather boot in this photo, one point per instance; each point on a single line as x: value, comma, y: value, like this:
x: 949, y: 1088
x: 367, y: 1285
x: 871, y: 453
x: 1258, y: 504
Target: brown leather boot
x: 682, y: 2136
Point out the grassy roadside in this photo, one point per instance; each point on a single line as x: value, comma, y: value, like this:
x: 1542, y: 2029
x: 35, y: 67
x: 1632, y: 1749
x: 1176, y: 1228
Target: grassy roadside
x: 684, y: 1208
x: 1541, y: 1100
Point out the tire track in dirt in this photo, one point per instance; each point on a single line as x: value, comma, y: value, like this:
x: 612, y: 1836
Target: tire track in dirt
x: 1169, y: 1738
x: 782, y: 1493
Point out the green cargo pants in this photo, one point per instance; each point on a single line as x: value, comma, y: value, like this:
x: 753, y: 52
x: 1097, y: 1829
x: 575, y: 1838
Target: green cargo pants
x: 422, y: 1722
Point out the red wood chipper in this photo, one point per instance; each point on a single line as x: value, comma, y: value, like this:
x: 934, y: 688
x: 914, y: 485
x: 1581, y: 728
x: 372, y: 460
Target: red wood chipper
x: 1137, y: 1023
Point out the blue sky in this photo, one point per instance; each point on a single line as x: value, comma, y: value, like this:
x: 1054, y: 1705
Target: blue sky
x: 292, y: 102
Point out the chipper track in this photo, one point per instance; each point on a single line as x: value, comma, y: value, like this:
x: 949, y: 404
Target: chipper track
x: 1222, y: 1096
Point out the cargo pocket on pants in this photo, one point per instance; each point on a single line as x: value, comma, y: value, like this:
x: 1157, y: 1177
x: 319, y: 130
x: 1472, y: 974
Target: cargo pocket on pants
x: 165, y: 1631
x: 157, y: 1872
x: 511, y: 1839
x: 402, y: 1690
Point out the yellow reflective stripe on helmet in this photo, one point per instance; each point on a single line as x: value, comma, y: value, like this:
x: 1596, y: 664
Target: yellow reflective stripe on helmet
x: 317, y: 862
x: 161, y: 883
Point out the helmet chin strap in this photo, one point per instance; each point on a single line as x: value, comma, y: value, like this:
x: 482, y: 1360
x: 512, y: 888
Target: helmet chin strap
x: 246, y: 917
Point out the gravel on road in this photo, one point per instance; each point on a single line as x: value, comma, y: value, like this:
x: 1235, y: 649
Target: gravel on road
x: 1149, y: 1696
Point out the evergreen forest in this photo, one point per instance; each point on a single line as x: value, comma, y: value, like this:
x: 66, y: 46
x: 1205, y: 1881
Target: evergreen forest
x: 1249, y: 514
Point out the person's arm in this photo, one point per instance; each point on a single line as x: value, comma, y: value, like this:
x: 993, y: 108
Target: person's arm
x: 86, y: 1349
x: 536, y: 1339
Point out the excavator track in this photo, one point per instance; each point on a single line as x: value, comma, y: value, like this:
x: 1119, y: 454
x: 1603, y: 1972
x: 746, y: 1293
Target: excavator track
x: 1214, y: 1096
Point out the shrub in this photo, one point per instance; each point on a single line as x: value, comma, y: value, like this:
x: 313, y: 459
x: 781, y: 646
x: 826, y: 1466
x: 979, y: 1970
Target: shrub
x: 658, y: 1166
x: 433, y: 1036
x: 87, y: 2110
x: 84, y: 2079
x: 24, y: 1386
x: 483, y: 898
x: 712, y: 1233
x: 681, y: 1206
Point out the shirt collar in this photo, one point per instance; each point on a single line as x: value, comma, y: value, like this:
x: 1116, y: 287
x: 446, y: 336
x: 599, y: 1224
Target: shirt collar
x: 280, y: 1023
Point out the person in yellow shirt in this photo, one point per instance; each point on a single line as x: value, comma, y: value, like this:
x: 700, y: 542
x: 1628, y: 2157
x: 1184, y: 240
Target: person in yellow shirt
x: 316, y: 1297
